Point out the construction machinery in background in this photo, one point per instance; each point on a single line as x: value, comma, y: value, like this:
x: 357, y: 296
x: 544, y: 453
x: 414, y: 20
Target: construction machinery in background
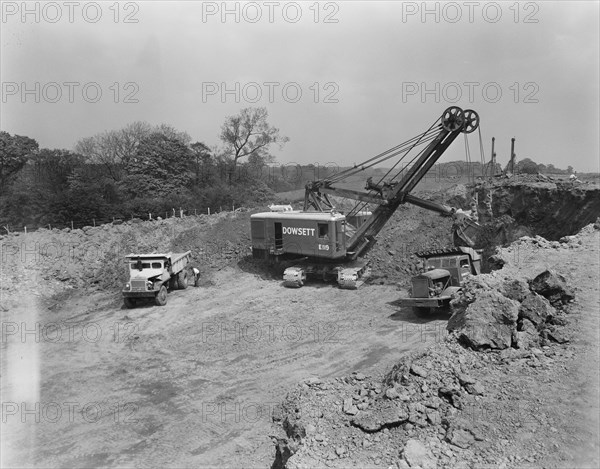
x: 331, y: 243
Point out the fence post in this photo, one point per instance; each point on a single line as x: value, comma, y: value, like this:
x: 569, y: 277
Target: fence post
x: 94, y: 221
x: 208, y: 210
x: 149, y: 216
x: 25, y: 230
x: 49, y: 226
x: 71, y: 224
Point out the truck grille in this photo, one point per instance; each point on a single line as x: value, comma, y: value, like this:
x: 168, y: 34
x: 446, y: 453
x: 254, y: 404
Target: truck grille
x: 138, y: 285
x: 420, y: 288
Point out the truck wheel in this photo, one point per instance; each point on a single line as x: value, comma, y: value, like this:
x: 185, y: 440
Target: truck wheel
x: 182, y: 279
x: 161, y: 297
x: 129, y: 302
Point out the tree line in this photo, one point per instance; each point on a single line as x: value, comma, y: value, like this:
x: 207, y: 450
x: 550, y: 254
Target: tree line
x: 137, y: 170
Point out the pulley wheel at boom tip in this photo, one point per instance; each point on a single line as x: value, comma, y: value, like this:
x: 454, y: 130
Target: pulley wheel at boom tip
x: 453, y: 119
x: 471, y: 121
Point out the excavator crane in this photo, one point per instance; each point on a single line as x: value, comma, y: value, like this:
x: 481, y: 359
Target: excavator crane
x: 331, y: 244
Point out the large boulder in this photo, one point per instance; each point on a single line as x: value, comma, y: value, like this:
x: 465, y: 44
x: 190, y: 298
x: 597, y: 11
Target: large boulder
x: 552, y: 286
x: 490, y: 321
x: 536, y: 308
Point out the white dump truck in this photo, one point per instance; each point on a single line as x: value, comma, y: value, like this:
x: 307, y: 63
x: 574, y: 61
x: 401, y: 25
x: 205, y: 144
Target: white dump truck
x: 153, y: 275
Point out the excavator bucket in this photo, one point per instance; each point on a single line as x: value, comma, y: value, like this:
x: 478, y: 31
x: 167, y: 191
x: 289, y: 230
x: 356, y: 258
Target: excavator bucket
x: 465, y: 231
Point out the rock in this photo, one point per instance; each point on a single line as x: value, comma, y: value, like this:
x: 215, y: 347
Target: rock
x: 516, y: 289
x: 349, y: 408
x: 391, y: 393
x: 461, y: 438
x: 313, y: 381
x: 433, y: 403
x: 451, y: 395
x: 416, y: 454
x: 465, y: 379
x: 528, y: 335
x: 557, y: 336
x: 536, y: 308
x: 552, y: 286
x: 476, y: 388
x: 419, y: 371
x: 374, y: 420
x: 434, y: 417
x: 360, y: 376
x: 488, y: 322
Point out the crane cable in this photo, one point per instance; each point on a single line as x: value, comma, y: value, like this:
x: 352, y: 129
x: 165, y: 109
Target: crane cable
x: 390, y: 153
x: 429, y: 135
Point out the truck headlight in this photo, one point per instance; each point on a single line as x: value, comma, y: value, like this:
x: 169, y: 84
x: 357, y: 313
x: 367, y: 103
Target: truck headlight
x: 127, y: 286
x: 149, y: 285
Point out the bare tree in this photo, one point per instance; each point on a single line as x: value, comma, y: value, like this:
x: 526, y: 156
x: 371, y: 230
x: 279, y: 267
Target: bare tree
x: 249, y: 133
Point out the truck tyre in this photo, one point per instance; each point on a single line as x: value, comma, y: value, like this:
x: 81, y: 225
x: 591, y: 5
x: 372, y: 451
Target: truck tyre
x: 182, y: 279
x: 129, y: 302
x: 161, y: 297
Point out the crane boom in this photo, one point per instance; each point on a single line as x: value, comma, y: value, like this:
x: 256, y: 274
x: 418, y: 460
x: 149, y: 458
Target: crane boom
x: 389, y: 196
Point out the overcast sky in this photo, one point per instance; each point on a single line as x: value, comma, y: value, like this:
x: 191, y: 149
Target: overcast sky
x: 370, y: 74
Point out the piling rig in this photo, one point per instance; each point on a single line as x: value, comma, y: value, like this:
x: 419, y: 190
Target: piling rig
x: 331, y: 244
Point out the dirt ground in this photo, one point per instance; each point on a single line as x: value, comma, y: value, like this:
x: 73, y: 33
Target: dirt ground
x: 197, y: 383
x: 191, y: 384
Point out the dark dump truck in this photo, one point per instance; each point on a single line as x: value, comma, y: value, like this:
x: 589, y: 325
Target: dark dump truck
x: 444, y: 271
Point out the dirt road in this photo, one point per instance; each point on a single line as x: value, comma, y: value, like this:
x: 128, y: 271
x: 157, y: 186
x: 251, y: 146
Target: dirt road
x: 191, y: 384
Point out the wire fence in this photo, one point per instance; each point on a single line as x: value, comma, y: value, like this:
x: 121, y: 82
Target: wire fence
x: 116, y: 220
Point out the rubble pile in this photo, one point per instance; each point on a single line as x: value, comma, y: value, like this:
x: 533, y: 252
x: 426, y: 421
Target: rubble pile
x: 435, y: 409
x: 492, y: 311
